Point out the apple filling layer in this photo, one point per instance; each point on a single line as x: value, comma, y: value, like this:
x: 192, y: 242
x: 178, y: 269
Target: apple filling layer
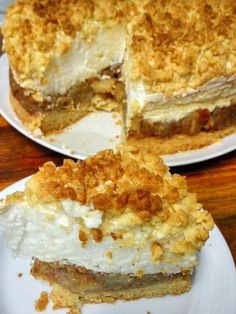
x: 85, y: 283
x: 56, y: 112
x: 193, y: 123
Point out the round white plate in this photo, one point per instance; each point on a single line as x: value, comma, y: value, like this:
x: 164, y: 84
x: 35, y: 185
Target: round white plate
x: 96, y: 132
x: 213, y: 291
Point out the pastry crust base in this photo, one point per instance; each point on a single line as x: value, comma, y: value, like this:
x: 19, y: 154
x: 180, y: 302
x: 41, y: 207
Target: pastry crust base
x: 32, y: 121
x: 74, y: 285
x: 179, y: 142
x: 62, y: 297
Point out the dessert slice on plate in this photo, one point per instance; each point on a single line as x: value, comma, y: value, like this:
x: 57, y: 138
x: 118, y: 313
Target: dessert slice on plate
x: 115, y: 226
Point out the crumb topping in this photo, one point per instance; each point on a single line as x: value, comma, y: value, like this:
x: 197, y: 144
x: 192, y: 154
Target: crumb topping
x: 140, y: 200
x: 174, y: 45
x: 183, y: 44
x: 112, y: 182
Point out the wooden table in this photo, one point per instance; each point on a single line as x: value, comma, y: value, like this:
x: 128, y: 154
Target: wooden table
x: 214, y: 180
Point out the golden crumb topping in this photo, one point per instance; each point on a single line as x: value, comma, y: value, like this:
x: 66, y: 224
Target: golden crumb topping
x: 134, y: 191
x: 173, y: 45
x: 37, y: 31
x: 179, y: 44
x: 110, y: 181
x: 136, y: 200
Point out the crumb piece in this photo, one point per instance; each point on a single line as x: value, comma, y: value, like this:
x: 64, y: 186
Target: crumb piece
x: 109, y: 254
x: 118, y: 122
x: 116, y: 236
x: 50, y: 139
x: 20, y: 275
x: 37, y: 133
x: 173, y: 195
x: 115, y: 115
x: 157, y: 251
x: 97, y: 234
x: 42, y: 302
x: 83, y: 237
x: 74, y: 310
x: 139, y: 273
x: 149, y: 312
x: 68, y: 149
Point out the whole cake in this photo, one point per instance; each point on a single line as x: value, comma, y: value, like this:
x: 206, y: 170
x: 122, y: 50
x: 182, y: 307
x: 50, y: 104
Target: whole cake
x: 115, y: 226
x: 169, y: 66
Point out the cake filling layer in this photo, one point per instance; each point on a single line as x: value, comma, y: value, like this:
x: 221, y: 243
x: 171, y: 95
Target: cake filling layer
x: 193, y: 123
x: 81, y: 280
x: 58, y: 111
x: 80, y: 95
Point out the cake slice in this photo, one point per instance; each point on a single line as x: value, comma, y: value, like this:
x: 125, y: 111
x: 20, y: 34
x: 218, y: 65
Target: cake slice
x: 115, y: 226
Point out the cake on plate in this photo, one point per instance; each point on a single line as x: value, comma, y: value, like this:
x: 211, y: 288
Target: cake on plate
x: 168, y: 66
x: 115, y: 226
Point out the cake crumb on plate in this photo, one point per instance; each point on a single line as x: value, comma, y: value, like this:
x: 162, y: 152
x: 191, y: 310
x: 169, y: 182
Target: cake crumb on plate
x: 74, y: 310
x: 42, y: 302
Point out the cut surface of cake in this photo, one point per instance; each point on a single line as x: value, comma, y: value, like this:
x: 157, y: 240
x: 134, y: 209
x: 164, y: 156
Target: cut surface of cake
x: 181, y: 68
x: 67, y: 61
x: 115, y: 226
x: 169, y: 66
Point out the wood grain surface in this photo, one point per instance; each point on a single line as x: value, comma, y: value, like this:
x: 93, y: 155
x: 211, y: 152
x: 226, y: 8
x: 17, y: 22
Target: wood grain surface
x: 214, y: 181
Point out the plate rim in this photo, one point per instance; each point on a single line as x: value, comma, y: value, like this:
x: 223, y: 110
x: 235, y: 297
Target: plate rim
x: 81, y: 156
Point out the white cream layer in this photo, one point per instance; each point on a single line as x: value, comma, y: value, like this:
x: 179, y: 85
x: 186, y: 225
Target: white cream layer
x: 83, y: 60
x: 51, y: 233
x: 169, y: 113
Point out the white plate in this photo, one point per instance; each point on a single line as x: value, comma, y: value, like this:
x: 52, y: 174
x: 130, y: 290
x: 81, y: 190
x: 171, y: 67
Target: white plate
x: 3, y: 7
x: 96, y: 132
x: 213, y: 291
x: 1, y: 17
